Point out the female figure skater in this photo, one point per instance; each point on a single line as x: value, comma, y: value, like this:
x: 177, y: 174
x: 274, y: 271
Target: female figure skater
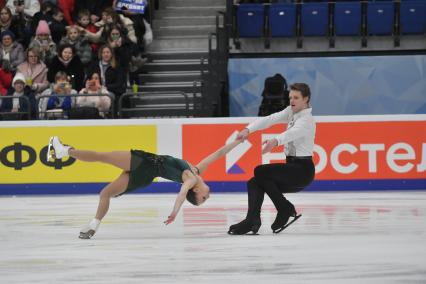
x: 139, y: 169
x: 276, y: 179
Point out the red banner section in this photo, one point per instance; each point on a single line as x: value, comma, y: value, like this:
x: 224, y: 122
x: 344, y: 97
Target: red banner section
x: 343, y: 150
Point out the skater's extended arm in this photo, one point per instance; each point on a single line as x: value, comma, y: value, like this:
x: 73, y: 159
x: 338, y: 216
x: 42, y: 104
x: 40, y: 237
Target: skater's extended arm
x: 189, y: 181
x: 202, y: 166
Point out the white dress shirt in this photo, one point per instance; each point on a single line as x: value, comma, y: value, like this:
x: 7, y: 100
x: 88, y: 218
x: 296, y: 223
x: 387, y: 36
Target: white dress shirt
x: 298, y: 139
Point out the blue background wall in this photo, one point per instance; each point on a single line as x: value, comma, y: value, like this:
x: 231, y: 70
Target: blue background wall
x: 340, y: 85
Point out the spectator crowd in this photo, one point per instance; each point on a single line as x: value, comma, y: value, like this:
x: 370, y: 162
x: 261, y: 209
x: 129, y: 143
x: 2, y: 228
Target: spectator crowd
x: 68, y: 58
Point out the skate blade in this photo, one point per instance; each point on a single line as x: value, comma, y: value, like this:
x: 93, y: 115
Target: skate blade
x: 246, y: 234
x: 252, y: 232
x: 288, y: 224
x: 49, y: 149
x: 86, y: 235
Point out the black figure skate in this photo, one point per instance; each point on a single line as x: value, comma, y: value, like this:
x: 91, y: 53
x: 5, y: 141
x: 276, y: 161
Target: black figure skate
x: 282, y: 220
x: 245, y: 227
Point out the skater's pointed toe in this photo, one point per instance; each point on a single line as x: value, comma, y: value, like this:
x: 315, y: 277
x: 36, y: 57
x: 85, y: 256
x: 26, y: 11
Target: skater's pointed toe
x: 56, y: 150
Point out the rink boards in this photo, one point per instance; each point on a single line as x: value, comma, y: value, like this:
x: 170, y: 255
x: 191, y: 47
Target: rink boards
x: 351, y: 152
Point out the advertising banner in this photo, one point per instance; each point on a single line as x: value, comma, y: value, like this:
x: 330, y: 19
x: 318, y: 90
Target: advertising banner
x: 343, y: 150
x: 350, y: 153
x: 23, y: 152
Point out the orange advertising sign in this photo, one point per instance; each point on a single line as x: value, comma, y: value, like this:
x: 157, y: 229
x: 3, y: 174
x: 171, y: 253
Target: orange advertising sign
x: 343, y: 150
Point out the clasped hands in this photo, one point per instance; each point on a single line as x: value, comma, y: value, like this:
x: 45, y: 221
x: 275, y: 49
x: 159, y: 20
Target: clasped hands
x: 268, y: 145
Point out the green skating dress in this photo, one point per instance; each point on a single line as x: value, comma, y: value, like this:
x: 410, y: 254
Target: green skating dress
x: 146, y: 166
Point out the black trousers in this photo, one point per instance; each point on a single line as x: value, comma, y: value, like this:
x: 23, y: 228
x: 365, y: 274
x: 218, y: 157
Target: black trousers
x: 276, y: 179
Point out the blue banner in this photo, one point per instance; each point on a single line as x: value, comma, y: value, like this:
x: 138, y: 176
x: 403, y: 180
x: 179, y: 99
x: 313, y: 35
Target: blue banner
x: 136, y: 6
x: 356, y: 85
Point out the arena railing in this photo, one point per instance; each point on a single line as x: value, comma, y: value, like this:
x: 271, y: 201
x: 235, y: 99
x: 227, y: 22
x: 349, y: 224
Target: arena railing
x: 75, y: 112
x: 155, y: 104
x: 19, y: 115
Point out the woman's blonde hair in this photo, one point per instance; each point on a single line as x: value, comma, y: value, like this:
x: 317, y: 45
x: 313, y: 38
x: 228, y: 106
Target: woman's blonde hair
x: 72, y: 27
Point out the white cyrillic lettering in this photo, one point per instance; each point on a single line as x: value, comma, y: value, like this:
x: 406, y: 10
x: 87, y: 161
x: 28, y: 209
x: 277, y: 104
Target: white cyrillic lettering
x: 322, y: 163
x: 422, y: 166
x: 372, y: 155
x: 392, y: 156
x: 335, y: 158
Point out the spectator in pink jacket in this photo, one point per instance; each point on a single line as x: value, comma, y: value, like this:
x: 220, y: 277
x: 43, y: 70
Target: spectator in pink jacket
x: 34, y: 70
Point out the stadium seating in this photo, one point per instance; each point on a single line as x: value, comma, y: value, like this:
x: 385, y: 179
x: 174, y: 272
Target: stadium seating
x: 314, y: 19
x: 250, y: 20
x: 282, y: 20
x: 412, y: 17
x: 380, y: 18
x: 347, y: 18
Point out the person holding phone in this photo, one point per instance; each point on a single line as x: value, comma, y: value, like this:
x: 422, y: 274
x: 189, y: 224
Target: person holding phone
x: 58, y: 97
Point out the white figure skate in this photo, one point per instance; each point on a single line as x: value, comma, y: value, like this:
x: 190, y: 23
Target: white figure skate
x: 56, y: 150
x: 88, y: 231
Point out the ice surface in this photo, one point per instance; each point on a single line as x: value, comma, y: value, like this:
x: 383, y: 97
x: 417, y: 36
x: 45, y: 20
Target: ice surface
x: 375, y: 237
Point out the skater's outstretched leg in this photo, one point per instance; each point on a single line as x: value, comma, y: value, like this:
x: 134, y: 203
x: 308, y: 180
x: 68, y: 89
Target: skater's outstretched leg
x: 115, y: 188
x: 119, y: 159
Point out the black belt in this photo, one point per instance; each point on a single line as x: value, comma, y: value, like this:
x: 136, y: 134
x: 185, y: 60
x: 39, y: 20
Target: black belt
x: 296, y: 158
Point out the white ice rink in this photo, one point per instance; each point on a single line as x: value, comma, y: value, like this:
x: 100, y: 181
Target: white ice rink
x: 341, y: 238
